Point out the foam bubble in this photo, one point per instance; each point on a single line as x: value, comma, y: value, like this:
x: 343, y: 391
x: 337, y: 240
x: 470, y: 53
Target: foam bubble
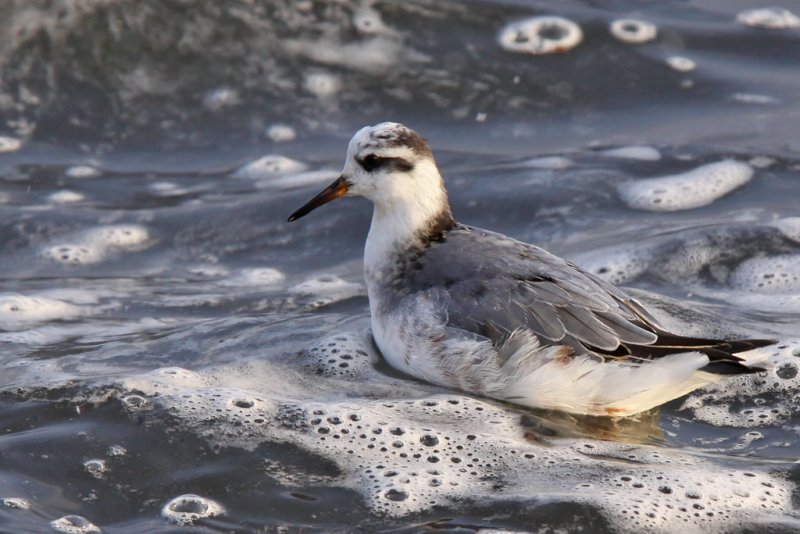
x: 322, y: 84
x: 95, y: 467
x: 617, y: 265
x: 548, y: 162
x: 167, y: 189
x: 768, y: 274
x: 633, y: 31
x: 681, y: 64
x: 789, y: 226
x: 65, y: 197
x: 541, y: 35
x: 74, y: 524
x: 258, y: 277
x: 368, y: 21
x: 326, y: 289
x: 221, y: 97
x: 17, y: 503
x: 641, y: 153
x: 345, y: 355
x: 116, y: 451
x: 188, y: 508
x: 692, y: 189
x: 281, y: 133
x: 16, y: 309
x: 269, y: 166
x: 9, y: 144
x: 94, y: 245
x: 82, y: 171
x: 773, y: 18
x: 752, y: 98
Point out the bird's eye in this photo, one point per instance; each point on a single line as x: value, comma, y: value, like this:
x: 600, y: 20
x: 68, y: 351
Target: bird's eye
x: 370, y: 162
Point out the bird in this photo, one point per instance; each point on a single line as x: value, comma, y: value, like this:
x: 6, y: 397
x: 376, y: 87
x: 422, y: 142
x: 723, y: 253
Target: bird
x: 481, y: 312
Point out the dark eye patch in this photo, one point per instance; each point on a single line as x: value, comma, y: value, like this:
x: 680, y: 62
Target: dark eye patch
x: 371, y: 162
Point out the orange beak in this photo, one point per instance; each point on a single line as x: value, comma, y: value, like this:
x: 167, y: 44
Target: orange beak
x: 332, y: 192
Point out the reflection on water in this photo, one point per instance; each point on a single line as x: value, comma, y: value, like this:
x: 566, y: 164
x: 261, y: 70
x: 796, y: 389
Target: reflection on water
x: 175, y: 354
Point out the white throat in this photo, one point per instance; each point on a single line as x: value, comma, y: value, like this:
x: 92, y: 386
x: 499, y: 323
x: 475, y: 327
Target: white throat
x: 403, y: 213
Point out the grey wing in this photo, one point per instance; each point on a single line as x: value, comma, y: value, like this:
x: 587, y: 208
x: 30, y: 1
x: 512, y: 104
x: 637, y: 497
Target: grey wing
x: 499, y: 285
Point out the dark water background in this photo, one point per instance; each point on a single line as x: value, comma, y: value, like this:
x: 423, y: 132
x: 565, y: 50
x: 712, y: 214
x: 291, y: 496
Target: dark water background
x: 156, y: 311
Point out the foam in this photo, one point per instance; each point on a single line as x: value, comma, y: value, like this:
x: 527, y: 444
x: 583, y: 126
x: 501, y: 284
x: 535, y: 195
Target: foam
x: 342, y: 355
x: 167, y: 189
x: 692, y: 189
x: 772, y: 18
x: 789, y: 227
x: 254, y: 277
x: 617, y: 265
x: 65, y: 197
x: 549, y: 162
x: 18, y: 310
x: 95, y: 467
x: 540, y: 35
x: 633, y: 31
x: 188, y: 508
x: 753, y: 98
x: 74, y: 524
x: 268, y: 167
x: 681, y: 63
x: 82, y: 171
x: 369, y: 22
x: 281, y: 133
x: 96, y: 244
x: 17, y: 503
x: 641, y: 153
x: 221, y: 97
x: 768, y: 274
x: 9, y: 144
x: 327, y: 288
x: 322, y: 84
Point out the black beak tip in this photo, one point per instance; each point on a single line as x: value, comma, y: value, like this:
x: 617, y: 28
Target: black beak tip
x: 291, y: 218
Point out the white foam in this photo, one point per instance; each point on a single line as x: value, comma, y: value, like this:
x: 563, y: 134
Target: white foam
x: 221, y: 97
x: 773, y: 18
x: 692, y: 189
x: 617, y: 265
x: 17, y: 503
x: 768, y: 274
x: 681, y: 63
x: 633, y: 31
x: 541, y: 35
x: 65, y: 197
x: 17, y: 310
x: 344, y: 355
x: 167, y: 189
x: 789, y: 226
x: 9, y: 144
x: 327, y: 288
x: 96, y: 244
x: 74, y: 524
x: 254, y: 277
x: 281, y: 133
x: 82, y: 171
x: 549, y: 162
x: 95, y: 467
x: 322, y: 84
x: 369, y: 22
x: 268, y: 167
x: 188, y: 508
x: 753, y: 98
x: 641, y: 153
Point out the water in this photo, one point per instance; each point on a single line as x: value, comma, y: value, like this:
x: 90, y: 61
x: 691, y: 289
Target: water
x: 176, y: 357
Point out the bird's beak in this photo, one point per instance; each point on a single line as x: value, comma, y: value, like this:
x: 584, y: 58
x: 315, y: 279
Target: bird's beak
x: 332, y: 192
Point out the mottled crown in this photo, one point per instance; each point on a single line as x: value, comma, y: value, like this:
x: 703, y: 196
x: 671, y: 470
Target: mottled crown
x: 390, y: 135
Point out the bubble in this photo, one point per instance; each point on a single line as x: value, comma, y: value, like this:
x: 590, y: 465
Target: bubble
x: 9, y: 144
x: 187, y: 509
x: 254, y: 277
x: 549, y: 162
x: 167, y: 189
x: 773, y: 18
x: 541, y: 35
x: 221, y: 97
x: 322, y: 84
x: 344, y: 355
x: 134, y: 401
x: 692, y: 189
x: 768, y: 274
x: 74, y: 524
x: 82, y: 171
x: 640, y: 153
x: 16, y: 309
x: 681, y: 64
x: 269, y: 166
x: 116, y: 451
x: 368, y: 21
x: 633, y: 31
x: 94, y: 245
x: 17, y: 503
x: 65, y: 197
x: 281, y: 133
x: 96, y: 468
